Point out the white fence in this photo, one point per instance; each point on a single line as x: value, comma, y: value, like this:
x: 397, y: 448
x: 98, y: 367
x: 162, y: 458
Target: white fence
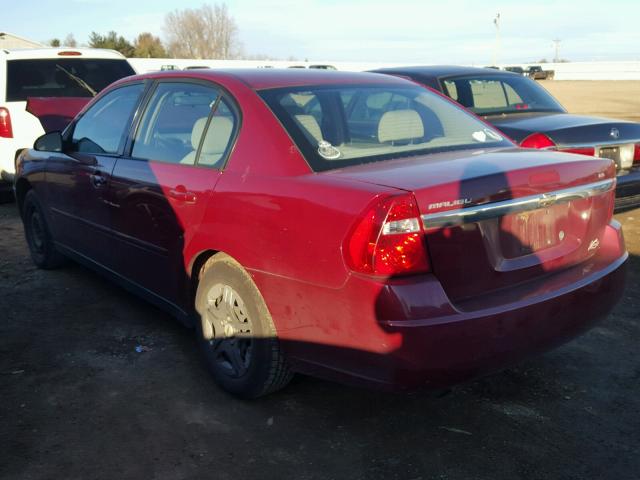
x: 564, y: 71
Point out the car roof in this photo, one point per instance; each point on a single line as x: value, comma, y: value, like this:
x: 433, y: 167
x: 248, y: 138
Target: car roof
x: 438, y: 71
x: 266, y: 78
x: 38, y: 53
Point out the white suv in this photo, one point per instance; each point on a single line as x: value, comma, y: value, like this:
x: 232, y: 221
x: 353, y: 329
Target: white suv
x: 42, y: 90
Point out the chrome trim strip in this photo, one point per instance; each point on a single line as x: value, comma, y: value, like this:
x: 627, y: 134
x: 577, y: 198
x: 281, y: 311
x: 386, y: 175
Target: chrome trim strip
x: 607, y: 144
x: 523, y: 204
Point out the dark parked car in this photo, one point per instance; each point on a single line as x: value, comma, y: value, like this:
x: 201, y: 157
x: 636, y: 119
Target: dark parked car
x: 528, y: 114
x: 518, y: 70
x: 353, y: 226
x: 535, y: 72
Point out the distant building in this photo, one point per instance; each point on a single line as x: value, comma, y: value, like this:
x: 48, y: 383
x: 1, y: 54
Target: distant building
x: 9, y: 41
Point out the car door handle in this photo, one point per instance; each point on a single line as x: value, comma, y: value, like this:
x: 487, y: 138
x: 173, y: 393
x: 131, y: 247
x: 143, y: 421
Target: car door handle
x: 182, y: 194
x: 97, y: 179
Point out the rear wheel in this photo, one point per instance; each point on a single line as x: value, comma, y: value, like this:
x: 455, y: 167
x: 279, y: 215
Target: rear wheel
x: 236, y: 333
x: 41, y: 246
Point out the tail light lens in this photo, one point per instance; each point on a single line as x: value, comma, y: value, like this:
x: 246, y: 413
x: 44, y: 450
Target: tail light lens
x: 389, y: 239
x: 541, y: 141
x: 6, y: 130
x: 636, y: 154
x: 537, y: 140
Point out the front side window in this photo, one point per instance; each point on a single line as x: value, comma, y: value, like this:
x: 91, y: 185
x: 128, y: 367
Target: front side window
x: 500, y: 94
x: 185, y: 123
x: 103, y: 127
x: 340, y: 126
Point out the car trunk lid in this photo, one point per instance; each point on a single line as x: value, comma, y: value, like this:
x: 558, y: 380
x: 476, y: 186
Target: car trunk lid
x: 567, y: 130
x: 499, y: 219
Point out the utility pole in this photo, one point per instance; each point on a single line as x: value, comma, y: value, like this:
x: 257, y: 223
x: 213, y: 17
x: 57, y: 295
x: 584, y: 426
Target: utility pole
x: 556, y: 43
x: 496, y: 52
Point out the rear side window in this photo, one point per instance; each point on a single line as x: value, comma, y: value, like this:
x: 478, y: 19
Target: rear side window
x: 185, y: 123
x: 102, y: 128
x: 62, y: 77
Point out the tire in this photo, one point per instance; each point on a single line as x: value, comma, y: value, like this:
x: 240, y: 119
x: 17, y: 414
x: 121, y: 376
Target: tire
x: 38, y: 234
x: 235, y: 331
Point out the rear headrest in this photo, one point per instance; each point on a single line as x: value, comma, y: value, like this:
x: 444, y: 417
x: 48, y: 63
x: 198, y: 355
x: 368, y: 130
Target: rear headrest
x: 398, y: 125
x: 310, y: 126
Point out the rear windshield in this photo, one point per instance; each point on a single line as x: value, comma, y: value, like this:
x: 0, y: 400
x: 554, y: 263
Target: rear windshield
x: 62, y: 77
x: 338, y: 126
x: 500, y: 94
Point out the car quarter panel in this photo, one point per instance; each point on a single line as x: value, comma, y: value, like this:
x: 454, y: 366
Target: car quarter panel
x: 285, y: 223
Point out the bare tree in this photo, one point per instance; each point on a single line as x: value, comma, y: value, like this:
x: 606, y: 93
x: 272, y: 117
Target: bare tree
x: 205, y: 32
x: 70, y: 41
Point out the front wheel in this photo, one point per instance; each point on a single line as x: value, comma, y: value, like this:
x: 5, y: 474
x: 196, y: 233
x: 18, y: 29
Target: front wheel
x: 236, y: 333
x: 38, y: 235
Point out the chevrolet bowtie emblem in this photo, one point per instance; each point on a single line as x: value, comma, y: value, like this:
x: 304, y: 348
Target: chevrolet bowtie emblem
x: 546, y: 200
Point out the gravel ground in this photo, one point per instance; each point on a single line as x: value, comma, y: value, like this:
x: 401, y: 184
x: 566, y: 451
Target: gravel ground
x: 78, y: 401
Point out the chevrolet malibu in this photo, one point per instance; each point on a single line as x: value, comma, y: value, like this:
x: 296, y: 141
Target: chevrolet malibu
x: 352, y: 226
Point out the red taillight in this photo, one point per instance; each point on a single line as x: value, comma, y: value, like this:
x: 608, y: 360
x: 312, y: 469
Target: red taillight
x: 6, y: 130
x: 590, y: 151
x: 537, y: 140
x: 389, y: 239
x: 636, y: 153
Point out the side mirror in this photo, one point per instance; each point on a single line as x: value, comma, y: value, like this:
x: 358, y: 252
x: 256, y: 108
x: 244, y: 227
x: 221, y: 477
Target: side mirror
x: 49, y: 142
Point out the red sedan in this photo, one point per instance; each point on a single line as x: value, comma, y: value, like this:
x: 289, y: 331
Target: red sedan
x: 352, y: 226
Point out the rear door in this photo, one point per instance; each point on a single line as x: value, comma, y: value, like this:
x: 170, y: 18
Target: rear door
x: 161, y: 188
x: 78, y: 179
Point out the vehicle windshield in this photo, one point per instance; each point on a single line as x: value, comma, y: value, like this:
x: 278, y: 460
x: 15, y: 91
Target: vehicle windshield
x: 338, y: 126
x: 62, y: 77
x: 500, y: 94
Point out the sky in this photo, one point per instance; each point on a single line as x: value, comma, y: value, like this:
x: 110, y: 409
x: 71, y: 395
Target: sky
x: 405, y: 31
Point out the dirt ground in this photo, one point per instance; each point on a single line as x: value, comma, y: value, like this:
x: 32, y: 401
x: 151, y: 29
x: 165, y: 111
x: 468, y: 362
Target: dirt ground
x: 615, y: 99
x: 78, y: 402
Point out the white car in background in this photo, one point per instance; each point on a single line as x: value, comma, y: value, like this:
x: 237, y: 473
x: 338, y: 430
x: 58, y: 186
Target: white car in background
x: 42, y: 90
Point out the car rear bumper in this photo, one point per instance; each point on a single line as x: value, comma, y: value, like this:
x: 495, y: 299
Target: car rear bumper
x: 439, y: 353
x: 628, y: 190
x: 407, y: 334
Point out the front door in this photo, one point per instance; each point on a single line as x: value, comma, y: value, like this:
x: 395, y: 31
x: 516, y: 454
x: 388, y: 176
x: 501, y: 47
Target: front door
x: 78, y: 179
x: 161, y: 189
